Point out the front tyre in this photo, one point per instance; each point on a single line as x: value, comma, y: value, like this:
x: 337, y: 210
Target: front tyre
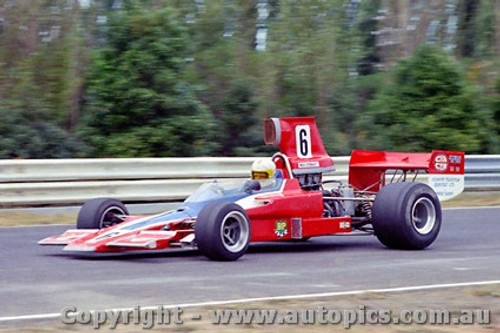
x: 222, y: 231
x: 406, y: 216
x: 100, y: 213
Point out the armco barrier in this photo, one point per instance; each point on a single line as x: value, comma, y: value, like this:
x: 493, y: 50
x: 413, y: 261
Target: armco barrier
x: 20, y: 171
x: 73, y: 181
x: 482, y: 172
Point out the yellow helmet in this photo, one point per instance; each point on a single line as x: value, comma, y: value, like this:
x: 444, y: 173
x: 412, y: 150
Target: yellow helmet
x: 263, y: 168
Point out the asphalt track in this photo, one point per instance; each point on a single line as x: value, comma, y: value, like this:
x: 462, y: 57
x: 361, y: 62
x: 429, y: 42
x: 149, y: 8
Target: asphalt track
x: 39, y: 280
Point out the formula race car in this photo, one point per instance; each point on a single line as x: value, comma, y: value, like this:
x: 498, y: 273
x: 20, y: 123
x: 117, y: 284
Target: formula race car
x: 221, y: 218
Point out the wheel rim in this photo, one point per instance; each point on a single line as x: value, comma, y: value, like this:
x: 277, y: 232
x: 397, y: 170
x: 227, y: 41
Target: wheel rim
x: 234, y: 231
x: 423, y: 216
x: 111, y: 216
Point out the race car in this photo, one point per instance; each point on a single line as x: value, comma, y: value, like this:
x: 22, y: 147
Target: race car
x: 382, y: 197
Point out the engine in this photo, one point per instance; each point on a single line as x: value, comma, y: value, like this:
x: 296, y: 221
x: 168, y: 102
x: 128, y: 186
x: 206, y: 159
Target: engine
x: 344, y: 201
x: 310, y: 182
x: 337, y: 203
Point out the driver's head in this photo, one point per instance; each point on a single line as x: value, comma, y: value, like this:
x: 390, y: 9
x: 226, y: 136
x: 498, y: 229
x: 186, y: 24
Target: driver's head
x: 263, y: 168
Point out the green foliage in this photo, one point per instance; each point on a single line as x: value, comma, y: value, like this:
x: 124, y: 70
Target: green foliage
x: 28, y: 125
x: 27, y: 136
x: 485, y: 30
x: 138, y: 102
x: 367, y: 24
x: 476, y: 38
x: 477, y: 29
x: 494, y: 103
x: 236, y: 121
x: 497, y: 105
x: 466, y: 27
x: 50, y: 65
x: 227, y: 65
x: 183, y: 78
x: 428, y: 105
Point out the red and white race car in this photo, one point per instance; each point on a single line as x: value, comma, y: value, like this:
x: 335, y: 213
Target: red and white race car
x: 221, y: 218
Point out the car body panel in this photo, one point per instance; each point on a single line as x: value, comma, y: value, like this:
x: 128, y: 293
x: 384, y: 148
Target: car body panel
x: 270, y: 210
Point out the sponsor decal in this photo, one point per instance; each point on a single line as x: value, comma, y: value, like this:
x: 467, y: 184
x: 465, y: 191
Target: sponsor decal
x: 303, y: 141
x: 345, y: 225
x: 457, y: 160
x: 441, y: 163
x: 447, y: 186
x: 281, y: 228
x: 454, y: 159
x: 305, y: 165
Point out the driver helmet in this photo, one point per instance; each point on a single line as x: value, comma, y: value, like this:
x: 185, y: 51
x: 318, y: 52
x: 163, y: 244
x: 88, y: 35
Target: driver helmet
x: 263, y: 168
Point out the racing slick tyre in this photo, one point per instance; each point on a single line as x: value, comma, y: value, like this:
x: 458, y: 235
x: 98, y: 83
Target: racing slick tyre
x: 406, y: 216
x: 100, y: 213
x: 222, y: 231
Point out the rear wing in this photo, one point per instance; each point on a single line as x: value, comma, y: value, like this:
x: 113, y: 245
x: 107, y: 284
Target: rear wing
x: 369, y: 170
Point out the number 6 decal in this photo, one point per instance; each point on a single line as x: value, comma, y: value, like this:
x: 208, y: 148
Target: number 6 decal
x: 303, y: 139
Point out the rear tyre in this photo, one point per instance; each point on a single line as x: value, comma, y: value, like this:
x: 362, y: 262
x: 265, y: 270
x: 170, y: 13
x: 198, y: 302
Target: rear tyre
x: 100, y: 213
x: 406, y: 216
x: 222, y: 231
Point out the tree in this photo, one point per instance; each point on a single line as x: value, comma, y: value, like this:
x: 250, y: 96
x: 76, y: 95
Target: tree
x: 227, y: 65
x: 237, y: 120
x: 428, y: 105
x: 43, y: 39
x: 29, y: 125
x: 367, y: 26
x: 26, y: 133
x: 495, y: 106
x: 485, y: 30
x: 467, y: 27
x: 138, y: 102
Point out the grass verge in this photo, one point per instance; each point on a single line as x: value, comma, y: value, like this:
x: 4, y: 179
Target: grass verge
x: 474, y: 199
x: 26, y: 218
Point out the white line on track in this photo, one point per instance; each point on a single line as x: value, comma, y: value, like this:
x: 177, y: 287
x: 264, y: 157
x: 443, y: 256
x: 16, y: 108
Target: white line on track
x: 271, y: 298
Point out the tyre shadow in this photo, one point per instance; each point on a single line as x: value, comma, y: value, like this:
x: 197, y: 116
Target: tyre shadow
x: 314, y: 245
x: 320, y: 244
